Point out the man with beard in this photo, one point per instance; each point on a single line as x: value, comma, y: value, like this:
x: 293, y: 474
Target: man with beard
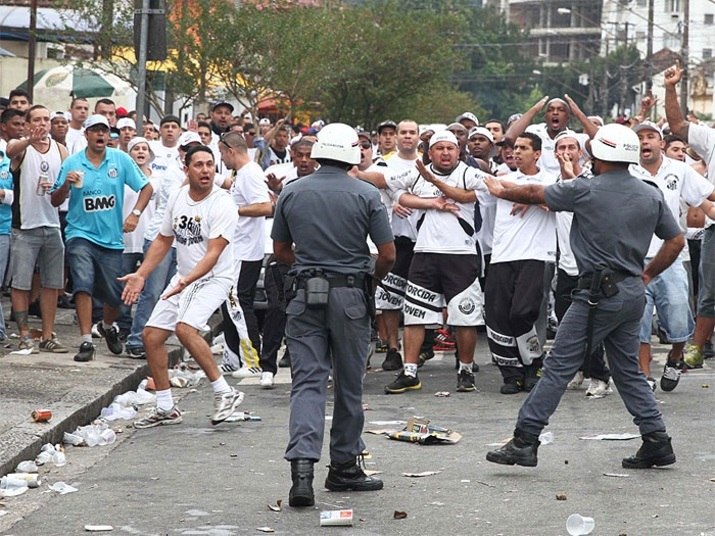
x: 445, y: 265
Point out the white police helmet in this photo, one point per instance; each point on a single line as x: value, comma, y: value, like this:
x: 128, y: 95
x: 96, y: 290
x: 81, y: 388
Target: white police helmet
x: 616, y: 143
x: 337, y: 141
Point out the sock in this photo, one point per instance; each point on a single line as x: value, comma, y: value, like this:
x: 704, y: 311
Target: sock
x: 164, y: 400
x: 221, y: 386
x: 465, y: 366
x: 87, y: 338
x: 106, y: 326
x: 411, y: 369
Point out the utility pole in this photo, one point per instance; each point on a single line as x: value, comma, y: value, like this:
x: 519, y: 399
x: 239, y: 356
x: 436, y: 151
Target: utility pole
x: 141, y: 63
x: 649, y: 49
x: 32, y: 49
x: 684, y: 58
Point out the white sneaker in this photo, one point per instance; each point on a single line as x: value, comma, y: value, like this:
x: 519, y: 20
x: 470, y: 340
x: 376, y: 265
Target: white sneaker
x: 576, y: 382
x: 267, y: 380
x: 247, y: 372
x: 225, y: 404
x: 598, y: 389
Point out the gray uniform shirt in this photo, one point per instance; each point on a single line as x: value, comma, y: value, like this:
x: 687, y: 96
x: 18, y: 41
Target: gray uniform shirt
x: 328, y: 216
x: 614, y: 218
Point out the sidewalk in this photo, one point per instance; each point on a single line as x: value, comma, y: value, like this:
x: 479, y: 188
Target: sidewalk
x: 74, y: 392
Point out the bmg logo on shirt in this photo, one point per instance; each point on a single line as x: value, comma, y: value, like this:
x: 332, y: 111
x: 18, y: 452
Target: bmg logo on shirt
x: 98, y: 204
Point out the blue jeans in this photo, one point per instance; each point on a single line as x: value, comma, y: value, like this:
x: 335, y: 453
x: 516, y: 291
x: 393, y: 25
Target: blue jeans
x: 668, y: 294
x: 4, y: 254
x: 153, y: 287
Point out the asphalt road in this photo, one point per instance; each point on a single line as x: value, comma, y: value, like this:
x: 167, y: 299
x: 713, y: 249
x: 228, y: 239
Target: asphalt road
x: 195, y: 479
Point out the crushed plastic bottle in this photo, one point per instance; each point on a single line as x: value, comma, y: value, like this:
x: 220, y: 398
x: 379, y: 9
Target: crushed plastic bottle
x: 32, y: 479
x: 242, y: 416
x: 12, y: 486
x: 546, y: 437
x: 117, y: 411
x: 27, y: 466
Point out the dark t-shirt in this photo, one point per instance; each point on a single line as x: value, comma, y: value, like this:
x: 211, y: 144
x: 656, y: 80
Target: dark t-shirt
x: 328, y: 216
x: 615, y: 217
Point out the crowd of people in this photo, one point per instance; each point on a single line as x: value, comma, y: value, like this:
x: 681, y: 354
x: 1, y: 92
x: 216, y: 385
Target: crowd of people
x: 508, y: 227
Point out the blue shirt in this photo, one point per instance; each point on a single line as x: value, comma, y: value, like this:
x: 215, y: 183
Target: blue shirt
x: 95, y: 210
x: 5, y: 184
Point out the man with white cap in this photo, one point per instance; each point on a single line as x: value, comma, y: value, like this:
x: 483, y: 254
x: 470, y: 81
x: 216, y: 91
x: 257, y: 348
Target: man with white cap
x: 468, y: 120
x: 446, y: 265
x: 480, y: 144
x: 95, y: 227
x: 608, y: 307
x: 668, y: 292
x: 127, y: 130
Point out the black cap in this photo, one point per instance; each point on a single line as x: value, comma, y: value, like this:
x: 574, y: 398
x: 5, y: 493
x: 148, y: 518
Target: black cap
x: 222, y: 103
x: 386, y: 124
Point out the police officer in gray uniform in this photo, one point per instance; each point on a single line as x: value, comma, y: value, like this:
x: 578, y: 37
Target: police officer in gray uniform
x: 615, y: 216
x: 328, y: 216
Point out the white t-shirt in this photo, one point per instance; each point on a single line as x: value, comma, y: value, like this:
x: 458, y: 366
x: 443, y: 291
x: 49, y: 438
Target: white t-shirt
x: 402, y: 169
x: 134, y: 241
x: 677, y: 181
x: 194, y: 223
x: 169, y: 183
x: 443, y: 232
x: 528, y: 237
x: 72, y: 137
x: 164, y: 157
x: 248, y: 188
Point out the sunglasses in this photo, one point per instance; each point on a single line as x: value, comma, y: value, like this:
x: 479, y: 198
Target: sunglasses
x: 366, y: 145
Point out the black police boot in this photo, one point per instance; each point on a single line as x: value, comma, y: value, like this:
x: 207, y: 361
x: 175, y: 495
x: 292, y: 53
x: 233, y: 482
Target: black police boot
x: 349, y: 476
x: 301, y: 493
x: 655, y: 450
x: 520, y: 450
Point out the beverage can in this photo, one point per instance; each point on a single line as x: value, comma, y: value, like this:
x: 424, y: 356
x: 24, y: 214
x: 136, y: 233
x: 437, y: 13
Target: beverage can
x: 41, y: 415
x: 332, y: 518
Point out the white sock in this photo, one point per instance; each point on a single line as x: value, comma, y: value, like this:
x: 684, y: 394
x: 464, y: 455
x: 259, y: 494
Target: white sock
x: 221, y: 386
x: 106, y: 326
x: 411, y: 369
x: 87, y: 338
x: 164, y: 400
x: 465, y: 366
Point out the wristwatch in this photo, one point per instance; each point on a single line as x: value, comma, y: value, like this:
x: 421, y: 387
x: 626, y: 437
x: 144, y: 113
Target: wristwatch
x: 137, y: 212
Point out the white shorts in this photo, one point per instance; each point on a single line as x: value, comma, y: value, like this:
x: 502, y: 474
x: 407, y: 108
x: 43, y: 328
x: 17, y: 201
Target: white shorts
x: 193, y: 306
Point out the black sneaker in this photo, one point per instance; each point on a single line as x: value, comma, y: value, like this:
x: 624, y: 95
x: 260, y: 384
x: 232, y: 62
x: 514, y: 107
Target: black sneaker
x: 671, y: 375
x: 350, y: 477
x: 465, y: 381
x: 111, y: 337
x: 284, y: 361
x: 403, y: 383
x: 475, y: 367
x: 655, y: 450
x: 136, y: 352
x: 516, y: 452
x: 511, y: 386
x: 425, y: 356
x: 86, y: 352
x: 393, y: 360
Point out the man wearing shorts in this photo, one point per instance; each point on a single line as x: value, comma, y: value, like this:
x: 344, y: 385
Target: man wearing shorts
x: 446, y: 265
x: 95, y: 227
x: 201, y: 218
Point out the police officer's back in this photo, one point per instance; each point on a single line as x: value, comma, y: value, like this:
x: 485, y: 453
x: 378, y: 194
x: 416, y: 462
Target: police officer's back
x: 327, y: 216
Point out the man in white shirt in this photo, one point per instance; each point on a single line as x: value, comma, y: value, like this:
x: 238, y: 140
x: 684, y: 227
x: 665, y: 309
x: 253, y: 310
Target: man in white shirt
x: 524, y: 241
x: 250, y: 195
x: 445, y: 268
x: 79, y: 111
x: 668, y: 292
x: 201, y: 219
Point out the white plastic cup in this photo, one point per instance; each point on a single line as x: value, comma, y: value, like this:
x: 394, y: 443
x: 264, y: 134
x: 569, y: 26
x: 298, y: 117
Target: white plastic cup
x: 79, y: 183
x: 578, y: 525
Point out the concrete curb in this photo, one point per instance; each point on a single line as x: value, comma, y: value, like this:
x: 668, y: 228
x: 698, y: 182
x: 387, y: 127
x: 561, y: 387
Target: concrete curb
x: 78, y: 408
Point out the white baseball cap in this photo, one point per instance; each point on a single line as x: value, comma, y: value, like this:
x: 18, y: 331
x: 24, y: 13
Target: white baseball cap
x: 138, y: 139
x: 481, y: 131
x: 467, y: 115
x: 264, y: 121
x: 94, y: 120
x: 648, y: 125
x: 189, y: 137
x: 443, y: 135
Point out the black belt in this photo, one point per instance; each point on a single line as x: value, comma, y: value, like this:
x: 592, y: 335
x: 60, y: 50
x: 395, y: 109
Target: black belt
x: 336, y: 280
x: 584, y: 282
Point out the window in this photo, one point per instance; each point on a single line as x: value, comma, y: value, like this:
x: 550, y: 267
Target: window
x: 708, y: 18
x: 707, y: 53
x: 672, y: 6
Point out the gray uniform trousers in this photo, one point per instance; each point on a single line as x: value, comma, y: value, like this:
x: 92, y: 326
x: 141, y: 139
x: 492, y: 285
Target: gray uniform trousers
x: 336, y: 336
x: 616, y: 324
